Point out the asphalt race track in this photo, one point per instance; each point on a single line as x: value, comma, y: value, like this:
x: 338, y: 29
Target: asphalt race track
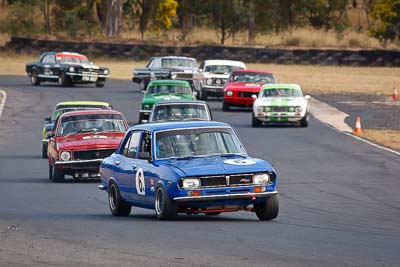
x: 339, y: 198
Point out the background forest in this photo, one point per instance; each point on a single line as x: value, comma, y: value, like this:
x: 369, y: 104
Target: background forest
x: 266, y: 23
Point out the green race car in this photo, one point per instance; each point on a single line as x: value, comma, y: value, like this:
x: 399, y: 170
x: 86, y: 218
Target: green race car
x: 164, y: 90
x: 63, y: 107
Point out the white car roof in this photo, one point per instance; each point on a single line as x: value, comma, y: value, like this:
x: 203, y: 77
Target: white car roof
x: 224, y: 62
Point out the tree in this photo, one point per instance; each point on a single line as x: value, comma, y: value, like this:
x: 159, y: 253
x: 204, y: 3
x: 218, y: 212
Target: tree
x: 385, y: 19
x: 166, y: 9
x: 141, y: 9
x: 45, y: 8
x: 327, y: 14
x: 251, y: 21
x: 227, y: 17
x: 186, y: 11
x: 110, y: 16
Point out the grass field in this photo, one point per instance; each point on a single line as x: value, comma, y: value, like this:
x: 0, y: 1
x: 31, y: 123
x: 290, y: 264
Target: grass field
x: 388, y: 138
x: 313, y: 79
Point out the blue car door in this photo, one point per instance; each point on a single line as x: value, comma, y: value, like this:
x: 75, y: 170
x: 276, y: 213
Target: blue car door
x: 145, y: 173
x: 124, y: 167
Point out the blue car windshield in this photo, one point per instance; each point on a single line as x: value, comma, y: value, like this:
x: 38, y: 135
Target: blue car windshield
x: 199, y: 142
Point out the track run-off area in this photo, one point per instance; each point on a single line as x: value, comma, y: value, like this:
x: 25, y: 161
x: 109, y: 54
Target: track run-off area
x: 339, y: 198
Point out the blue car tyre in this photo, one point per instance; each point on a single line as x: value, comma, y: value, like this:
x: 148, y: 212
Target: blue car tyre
x: 164, y: 207
x: 268, y: 209
x: 118, y: 206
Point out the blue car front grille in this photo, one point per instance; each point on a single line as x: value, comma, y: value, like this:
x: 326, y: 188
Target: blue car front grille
x: 226, y: 180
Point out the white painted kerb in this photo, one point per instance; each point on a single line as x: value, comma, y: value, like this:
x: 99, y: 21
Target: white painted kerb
x: 3, y: 101
x: 329, y: 115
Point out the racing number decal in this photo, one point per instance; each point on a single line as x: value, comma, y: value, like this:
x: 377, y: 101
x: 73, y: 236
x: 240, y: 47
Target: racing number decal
x: 140, y: 186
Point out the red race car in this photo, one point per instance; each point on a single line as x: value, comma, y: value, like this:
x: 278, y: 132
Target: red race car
x: 81, y: 140
x: 242, y: 85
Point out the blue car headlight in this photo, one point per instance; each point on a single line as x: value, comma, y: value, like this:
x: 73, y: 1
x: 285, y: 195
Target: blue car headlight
x: 261, y: 178
x: 191, y: 183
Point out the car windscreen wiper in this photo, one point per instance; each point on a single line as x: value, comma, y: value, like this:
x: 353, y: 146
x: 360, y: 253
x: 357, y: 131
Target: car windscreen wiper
x: 229, y: 155
x: 106, y: 131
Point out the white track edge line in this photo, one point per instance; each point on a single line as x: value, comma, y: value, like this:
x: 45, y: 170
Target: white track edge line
x: 359, y: 138
x: 3, y: 101
x: 372, y: 143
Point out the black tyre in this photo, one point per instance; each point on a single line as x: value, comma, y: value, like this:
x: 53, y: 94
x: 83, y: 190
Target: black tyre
x: 64, y: 80
x: 304, y: 121
x: 35, y: 80
x: 255, y: 122
x: 164, y: 206
x: 268, y: 209
x: 58, y: 176
x: 203, y: 94
x: 50, y: 172
x: 141, y: 118
x: 225, y: 106
x: 100, y: 84
x: 118, y: 206
x: 44, y: 150
x: 142, y: 85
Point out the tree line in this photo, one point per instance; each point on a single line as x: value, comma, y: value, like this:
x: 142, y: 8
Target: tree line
x: 227, y: 17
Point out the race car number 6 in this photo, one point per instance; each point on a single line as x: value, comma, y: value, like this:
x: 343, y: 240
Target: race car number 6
x: 140, y: 186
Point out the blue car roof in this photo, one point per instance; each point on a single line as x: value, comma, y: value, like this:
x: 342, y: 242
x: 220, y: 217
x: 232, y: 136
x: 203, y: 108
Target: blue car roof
x: 178, y: 125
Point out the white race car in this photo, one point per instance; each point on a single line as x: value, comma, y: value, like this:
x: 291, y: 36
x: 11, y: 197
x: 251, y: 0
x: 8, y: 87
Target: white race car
x: 281, y: 103
x: 215, y: 75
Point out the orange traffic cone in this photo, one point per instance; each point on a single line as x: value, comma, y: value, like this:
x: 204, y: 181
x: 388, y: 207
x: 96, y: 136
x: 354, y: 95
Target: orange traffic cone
x: 357, y: 130
x: 395, y: 95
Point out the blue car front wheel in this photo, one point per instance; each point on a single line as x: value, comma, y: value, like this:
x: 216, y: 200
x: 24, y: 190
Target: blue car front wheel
x: 164, y: 206
x: 268, y: 209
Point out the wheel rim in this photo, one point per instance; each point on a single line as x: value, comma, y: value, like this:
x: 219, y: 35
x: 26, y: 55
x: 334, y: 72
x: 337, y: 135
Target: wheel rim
x: 112, y: 197
x: 33, y: 77
x: 60, y: 80
x: 159, y: 202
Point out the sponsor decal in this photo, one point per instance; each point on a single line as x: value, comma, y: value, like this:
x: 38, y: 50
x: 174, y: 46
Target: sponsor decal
x: 240, y: 161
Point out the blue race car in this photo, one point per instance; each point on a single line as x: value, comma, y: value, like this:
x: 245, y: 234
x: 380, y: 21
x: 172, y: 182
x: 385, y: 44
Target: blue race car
x: 187, y: 167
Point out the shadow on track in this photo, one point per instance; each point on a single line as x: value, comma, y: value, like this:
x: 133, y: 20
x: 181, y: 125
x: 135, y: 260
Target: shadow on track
x: 152, y: 217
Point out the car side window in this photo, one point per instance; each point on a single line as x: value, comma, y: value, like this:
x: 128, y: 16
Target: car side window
x: 51, y: 59
x: 131, y: 146
x: 156, y: 63
x: 150, y: 64
x: 145, y: 144
x: 44, y: 59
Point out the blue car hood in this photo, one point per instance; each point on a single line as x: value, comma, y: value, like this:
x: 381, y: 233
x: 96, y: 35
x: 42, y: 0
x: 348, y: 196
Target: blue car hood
x: 217, y: 165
